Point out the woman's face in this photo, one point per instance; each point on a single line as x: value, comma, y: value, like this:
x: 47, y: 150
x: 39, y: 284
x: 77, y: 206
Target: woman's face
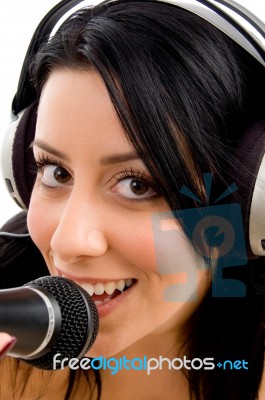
x: 94, y: 214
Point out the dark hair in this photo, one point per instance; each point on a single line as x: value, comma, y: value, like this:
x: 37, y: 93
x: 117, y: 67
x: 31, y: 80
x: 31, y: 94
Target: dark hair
x: 21, y: 260
x: 185, y: 93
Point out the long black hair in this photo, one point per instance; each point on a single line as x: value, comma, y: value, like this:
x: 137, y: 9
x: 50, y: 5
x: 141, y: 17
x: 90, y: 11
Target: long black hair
x: 21, y: 261
x: 185, y: 93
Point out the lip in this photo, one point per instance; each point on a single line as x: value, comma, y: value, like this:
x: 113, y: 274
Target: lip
x: 106, y: 308
x: 103, y: 309
x: 80, y: 280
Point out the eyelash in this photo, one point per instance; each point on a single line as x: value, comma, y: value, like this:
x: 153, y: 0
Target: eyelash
x: 125, y: 174
x: 138, y: 175
x: 44, y: 160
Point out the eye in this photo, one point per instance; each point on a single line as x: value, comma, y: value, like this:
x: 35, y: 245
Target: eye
x: 54, y: 176
x: 134, y: 186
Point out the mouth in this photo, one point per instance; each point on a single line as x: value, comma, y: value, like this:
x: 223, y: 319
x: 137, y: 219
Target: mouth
x: 103, y: 293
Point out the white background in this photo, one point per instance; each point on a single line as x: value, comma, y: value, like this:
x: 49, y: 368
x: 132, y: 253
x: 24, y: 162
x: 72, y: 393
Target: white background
x: 18, y: 20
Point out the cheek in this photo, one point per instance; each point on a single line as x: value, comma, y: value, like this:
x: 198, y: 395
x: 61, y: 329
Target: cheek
x: 135, y: 242
x: 164, y: 251
x: 159, y: 249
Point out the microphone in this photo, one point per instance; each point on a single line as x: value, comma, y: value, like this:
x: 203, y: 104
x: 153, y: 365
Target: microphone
x: 49, y: 316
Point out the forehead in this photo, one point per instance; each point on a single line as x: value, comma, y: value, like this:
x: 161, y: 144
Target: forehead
x: 79, y: 93
x: 75, y: 107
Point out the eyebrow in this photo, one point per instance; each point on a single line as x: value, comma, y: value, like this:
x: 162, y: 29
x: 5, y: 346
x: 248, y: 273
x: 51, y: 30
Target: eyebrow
x: 44, y: 146
x: 106, y: 160
x: 119, y: 158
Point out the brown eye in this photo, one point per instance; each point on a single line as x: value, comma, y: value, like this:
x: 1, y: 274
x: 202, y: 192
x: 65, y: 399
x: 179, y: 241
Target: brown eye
x: 54, y: 176
x: 138, y: 187
x: 134, y: 189
x: 61, y: 175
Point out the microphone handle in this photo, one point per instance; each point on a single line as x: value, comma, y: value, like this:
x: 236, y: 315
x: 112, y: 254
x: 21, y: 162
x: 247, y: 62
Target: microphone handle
x: 33, y: 316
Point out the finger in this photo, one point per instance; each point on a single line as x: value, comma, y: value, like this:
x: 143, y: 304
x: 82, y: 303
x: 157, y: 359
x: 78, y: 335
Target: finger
x: 6, y: 343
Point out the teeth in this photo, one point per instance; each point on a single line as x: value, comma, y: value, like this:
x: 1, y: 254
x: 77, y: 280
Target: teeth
x: 109, y: 287
x: 99, y: 302
x: 121, y: 285
x: 89, y: 288
x: 128, y: 282
x: 99, y: 288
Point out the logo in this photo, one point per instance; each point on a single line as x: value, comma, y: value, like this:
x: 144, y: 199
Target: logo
x: 144, y: 364
x: 215, y: 231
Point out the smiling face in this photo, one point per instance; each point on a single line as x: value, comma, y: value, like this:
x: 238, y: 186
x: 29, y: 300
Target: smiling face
x: 92, y: 211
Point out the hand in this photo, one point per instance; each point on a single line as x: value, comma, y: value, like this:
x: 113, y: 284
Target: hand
x: 6, y: 343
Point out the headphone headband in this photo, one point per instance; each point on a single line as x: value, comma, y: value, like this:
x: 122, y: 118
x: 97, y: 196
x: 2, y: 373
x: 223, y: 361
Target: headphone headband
x: 229, y: 17
x: 25, y: 92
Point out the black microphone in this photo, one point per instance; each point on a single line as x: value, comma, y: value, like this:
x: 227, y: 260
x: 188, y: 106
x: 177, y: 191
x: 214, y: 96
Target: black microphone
x: 49, y: 316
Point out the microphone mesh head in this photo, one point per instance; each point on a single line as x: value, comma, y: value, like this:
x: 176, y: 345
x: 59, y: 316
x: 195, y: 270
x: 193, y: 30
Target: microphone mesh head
x: 79, y: 324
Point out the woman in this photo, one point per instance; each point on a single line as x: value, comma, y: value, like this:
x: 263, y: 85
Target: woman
x: 137, y: 101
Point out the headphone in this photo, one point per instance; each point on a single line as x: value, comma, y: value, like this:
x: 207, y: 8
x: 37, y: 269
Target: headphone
x: 226, y: 15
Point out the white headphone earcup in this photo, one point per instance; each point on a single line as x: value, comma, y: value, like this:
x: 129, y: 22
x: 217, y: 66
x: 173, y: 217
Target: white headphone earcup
x: 257, y: 213
x: 6, y: 160
x: 17, y: 156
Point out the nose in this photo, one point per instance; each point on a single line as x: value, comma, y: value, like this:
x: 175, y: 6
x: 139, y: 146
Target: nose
x: 80, y: 230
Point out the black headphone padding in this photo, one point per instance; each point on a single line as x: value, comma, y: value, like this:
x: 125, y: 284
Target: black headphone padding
x: 249, y: 156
